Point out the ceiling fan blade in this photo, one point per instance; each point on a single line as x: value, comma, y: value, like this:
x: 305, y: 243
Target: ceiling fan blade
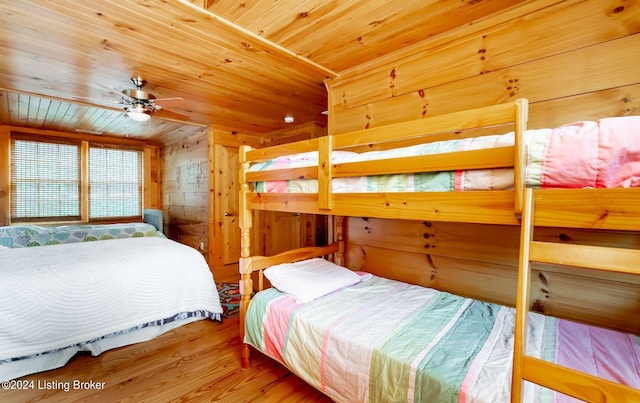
x: 168, y: 101
x: 173, y: 116
x: 110, y: 89
x: 126, y: 97
x: 101, y: 100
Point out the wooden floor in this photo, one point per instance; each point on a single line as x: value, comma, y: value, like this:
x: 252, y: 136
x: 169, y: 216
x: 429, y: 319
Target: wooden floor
x: 196, y: 362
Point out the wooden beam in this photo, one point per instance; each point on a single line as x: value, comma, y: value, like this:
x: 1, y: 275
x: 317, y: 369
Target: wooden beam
x: 266, y: 43
x: 5, y: 177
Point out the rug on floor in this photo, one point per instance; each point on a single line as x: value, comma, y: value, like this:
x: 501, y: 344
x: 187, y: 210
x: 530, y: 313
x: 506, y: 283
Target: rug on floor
x: 229, y: 298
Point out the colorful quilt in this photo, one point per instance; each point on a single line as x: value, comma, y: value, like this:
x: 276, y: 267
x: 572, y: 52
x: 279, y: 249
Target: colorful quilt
x: 386, y: 341
x: 595, y: 154
x: 22, y: 236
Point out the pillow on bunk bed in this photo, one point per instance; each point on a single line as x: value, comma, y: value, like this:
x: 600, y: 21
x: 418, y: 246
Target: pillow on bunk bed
x: 310, y: 279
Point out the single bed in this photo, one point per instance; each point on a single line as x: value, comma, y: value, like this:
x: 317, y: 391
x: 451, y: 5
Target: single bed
x: 584, y: 175
x: 382, y: 340
x: 63, y: 298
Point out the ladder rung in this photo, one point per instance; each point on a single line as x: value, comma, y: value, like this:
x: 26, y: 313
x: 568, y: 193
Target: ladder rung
x: 575, y: 383
x: 592, y: 257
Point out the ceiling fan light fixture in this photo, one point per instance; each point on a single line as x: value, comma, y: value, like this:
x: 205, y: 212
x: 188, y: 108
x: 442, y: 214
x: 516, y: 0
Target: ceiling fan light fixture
x: 138, y: 113
x: 139, y: 116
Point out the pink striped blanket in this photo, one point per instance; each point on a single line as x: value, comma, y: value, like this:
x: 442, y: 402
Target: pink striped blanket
x: 381, y: 341
x: 594, y: 154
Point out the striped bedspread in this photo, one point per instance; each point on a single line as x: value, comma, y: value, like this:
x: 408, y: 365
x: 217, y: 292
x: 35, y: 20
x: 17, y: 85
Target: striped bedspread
x: 386, y: 341
x: 589, y: 154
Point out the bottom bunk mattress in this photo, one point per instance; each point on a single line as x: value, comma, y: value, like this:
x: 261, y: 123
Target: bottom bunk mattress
x: 381, y: 340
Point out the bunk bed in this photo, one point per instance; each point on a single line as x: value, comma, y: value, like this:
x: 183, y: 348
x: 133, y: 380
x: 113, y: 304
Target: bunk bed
x: 325, y: 176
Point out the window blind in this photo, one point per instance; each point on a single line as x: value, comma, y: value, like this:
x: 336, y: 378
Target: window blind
x: 115, y: 182
x: 45, y: 180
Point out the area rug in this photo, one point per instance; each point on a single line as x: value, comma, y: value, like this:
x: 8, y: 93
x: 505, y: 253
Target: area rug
x: 229, y: 298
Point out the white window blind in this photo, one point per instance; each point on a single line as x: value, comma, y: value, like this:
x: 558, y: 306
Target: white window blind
x: 115, y: 182
x: 45, y: 180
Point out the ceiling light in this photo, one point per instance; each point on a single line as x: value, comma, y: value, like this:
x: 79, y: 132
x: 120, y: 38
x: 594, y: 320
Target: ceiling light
x: 139, y: 113
x: 288, y: 119
x: 139, y: 116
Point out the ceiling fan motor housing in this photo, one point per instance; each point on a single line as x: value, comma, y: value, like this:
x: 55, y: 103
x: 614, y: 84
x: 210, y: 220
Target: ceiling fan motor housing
x: 139, y: 111
x: 138, y: 94
x: 140, y: 107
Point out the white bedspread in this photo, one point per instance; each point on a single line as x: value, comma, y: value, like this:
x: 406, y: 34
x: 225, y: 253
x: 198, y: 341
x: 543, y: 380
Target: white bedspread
x: 55, y: 296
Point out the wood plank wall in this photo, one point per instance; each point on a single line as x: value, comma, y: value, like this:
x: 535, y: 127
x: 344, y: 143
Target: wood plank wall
x: 198, y: 190
x: 185, y: 190
x: 480, y: 261
x: 573, y: 60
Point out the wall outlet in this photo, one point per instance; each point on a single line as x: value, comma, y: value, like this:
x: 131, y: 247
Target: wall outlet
x: 201, y: 245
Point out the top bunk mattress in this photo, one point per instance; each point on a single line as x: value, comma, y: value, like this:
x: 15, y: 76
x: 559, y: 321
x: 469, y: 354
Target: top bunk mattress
x: 586, y: 154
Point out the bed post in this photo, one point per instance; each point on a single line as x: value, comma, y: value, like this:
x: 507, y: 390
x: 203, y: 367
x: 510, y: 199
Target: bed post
x: 245, y: 222
x: 337, y: 232
x: 522, y: 298
x: 325, y: 172
x: 520, y: 162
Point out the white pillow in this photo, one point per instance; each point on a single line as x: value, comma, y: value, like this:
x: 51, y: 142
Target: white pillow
x: 310, y: 279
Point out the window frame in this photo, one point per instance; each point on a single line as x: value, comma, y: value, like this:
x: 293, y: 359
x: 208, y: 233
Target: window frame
x: 18, y: 136
x: 84, y: 191
x: 141, y: 161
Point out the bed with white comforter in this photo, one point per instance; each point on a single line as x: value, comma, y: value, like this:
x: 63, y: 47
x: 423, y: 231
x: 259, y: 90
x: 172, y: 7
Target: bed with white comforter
x: 57, y: 300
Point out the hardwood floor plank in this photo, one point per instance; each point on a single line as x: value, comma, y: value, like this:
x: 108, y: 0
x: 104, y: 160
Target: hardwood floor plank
x: 196, y: 362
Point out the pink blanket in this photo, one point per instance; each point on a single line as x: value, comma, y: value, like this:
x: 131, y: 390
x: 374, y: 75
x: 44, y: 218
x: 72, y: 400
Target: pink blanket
x: 600, y: 154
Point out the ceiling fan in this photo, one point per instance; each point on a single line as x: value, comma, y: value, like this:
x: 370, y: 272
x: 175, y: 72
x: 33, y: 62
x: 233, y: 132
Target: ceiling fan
x: 139, y: 104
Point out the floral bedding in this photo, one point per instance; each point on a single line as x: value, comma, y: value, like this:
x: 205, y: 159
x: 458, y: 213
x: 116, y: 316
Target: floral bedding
x: 21, y: 236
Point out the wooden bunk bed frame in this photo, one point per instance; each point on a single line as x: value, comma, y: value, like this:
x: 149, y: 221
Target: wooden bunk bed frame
x: 495, y: 207
x: 613, y: 208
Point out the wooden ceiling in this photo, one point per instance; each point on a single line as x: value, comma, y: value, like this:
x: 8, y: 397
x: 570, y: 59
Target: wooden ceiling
x: 238, y: 65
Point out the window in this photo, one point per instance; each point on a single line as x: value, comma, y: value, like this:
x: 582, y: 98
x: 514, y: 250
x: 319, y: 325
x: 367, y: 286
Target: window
x: 115, y: 182
x: 48, y: 182
x: 45, y: 178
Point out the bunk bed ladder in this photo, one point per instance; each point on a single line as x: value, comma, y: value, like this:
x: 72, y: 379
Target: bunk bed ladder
x: 565, y: 380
